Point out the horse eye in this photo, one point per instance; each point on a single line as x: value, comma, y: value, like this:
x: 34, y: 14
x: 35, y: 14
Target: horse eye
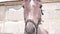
x: 23, y: 6
x: 40, y: 6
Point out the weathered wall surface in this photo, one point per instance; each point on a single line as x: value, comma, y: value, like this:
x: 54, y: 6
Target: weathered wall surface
x: 51, y: 19
x: 14, y: 13
x: 2, y: 12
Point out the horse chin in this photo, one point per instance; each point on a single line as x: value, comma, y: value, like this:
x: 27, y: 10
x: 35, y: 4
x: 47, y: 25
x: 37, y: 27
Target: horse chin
x: 30, y: 28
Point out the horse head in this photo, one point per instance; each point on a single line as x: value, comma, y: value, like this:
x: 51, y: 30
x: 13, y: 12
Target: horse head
x: 32, y: 15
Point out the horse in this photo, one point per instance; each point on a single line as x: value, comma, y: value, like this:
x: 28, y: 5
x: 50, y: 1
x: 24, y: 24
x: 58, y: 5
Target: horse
x: 32, y: 17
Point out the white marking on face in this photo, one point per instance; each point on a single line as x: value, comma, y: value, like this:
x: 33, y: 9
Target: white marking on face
x: 30, y: 16
x: 32, y: 3
x: 31, y: 9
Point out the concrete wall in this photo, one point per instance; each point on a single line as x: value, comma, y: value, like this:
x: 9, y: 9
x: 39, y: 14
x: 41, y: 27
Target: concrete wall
x: 14, y: 13
x: 2, y: 18
x: 51, y: 19
x: 2, y: 13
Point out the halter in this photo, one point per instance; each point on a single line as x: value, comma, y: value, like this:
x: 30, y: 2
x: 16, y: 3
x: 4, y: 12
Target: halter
x: 36, y: 26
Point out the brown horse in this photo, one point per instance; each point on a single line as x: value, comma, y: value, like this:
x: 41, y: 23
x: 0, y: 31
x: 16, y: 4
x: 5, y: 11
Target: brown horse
x: 32, y: 17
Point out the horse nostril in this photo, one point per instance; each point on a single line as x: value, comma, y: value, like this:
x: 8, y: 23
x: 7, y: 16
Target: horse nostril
x: 30, y: 30
x: 33, y: 30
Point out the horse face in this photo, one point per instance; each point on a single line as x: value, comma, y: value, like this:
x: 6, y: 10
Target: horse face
x: 32, y: 9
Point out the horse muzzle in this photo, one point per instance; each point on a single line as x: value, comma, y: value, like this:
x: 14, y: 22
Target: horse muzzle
x: 30, y: 29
